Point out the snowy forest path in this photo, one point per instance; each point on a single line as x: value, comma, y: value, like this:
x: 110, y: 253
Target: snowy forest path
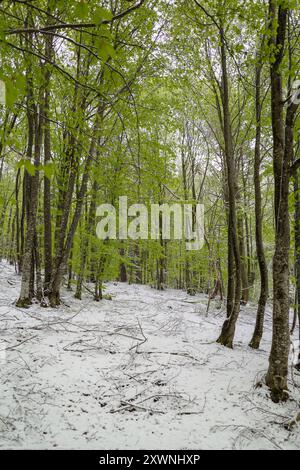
x: 142, y: 370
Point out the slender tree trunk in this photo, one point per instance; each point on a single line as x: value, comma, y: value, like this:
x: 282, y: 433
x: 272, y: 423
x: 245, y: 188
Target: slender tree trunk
x: 263, y: 269
x: 228, y: 329
x: 244, y: 274
x: 123, y: 273
x: 38, y: 268
x: 70, y: 270
x: 34, y: 136
x: 18, y: 230
x: 47, y: 181
x: 88, y: 228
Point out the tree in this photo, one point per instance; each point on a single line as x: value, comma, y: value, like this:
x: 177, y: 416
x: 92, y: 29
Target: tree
x: 263, y: 269
x: 283, y: 139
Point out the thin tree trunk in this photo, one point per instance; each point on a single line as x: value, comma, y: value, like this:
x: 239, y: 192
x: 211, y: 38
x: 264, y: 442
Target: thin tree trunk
x: 34, y: 136
x: 228, y: 329
x: 244, y: 274
x: 47, y: 182
x: 263, y: 269
x: 123, y: 273
x: 18, y: 230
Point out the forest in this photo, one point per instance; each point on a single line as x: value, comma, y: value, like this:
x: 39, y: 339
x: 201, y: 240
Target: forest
x: 162, y: 105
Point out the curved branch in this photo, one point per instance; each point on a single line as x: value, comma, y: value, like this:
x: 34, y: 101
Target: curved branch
x: 75, y: 25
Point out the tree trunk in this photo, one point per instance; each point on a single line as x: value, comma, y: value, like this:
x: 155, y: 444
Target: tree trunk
x: 18, y: 230
x: 47, y: 182
x: 244, y: 273
x: 123, y: 273
x: 263, y: 269
x: 34, y: 136
x: 228, y: 329
x: 297, y: 257
x: 276, y: 377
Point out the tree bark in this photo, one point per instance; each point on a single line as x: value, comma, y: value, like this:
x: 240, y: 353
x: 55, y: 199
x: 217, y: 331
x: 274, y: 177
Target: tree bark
x: 228, y: 329
x: 263, y: 269
x: 34, y: 137
x: 47, y: 183
x: 297, y: 257
x: 276, y: 377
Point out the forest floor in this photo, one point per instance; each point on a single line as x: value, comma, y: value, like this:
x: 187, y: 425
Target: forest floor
x: 140, y: 371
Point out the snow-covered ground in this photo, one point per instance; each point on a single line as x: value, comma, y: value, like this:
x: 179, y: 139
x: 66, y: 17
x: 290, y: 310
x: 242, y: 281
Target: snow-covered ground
x: 140, y: 371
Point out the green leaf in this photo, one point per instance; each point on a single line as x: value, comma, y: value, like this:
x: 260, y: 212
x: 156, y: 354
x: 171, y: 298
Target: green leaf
x: 239, y: 48
x: 268, y: 170
x: 11, y: 93
x: 15, y: 86
x: 237, y: 30
x: 21, y: 163
x: 29, y: 167
x: 101, y: 14
x: 81, y: 9
x: 105, y: 32
x: 105, y: 49
x: 49, y: 169
x: 2, y: 31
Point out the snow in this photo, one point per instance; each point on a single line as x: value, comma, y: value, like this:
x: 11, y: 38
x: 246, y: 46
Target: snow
x: 140, y: 371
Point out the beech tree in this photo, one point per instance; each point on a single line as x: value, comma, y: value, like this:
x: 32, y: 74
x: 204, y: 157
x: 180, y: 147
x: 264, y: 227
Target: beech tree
x: 283, y: 119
